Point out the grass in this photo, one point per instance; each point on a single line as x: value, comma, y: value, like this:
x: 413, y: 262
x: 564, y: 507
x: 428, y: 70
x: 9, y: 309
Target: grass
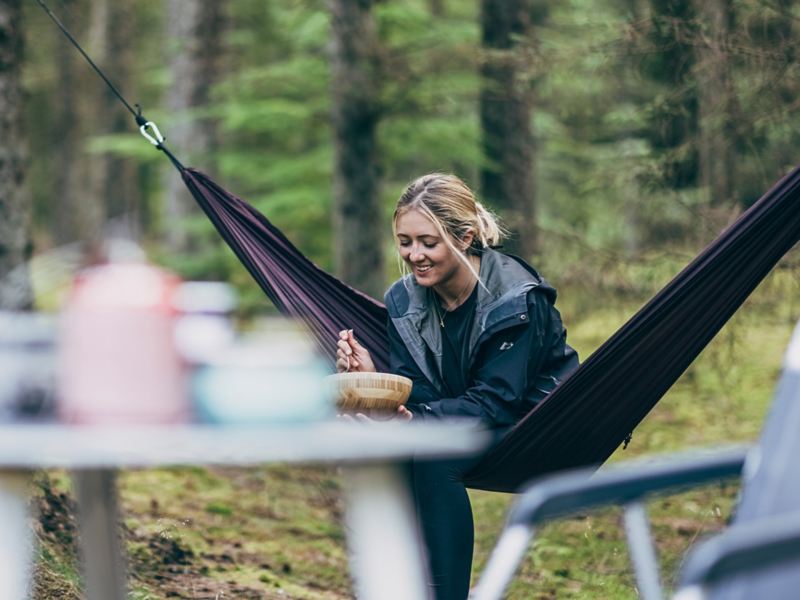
x: 721, y: 399
x: 277, y: 532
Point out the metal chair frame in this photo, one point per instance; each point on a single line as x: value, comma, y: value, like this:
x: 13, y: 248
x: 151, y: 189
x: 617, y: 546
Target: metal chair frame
x: 628, y: 485
x: 741, y: 550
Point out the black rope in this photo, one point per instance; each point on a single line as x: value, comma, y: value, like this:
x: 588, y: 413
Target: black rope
x: 64, y: 30
x: 137, y: 114
x: 176, y: 163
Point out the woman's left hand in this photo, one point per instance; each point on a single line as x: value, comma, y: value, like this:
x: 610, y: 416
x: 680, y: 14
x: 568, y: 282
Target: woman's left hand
x: 403, y: 414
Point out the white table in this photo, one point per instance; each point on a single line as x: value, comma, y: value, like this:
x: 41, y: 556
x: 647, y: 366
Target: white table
x: 385, y: 552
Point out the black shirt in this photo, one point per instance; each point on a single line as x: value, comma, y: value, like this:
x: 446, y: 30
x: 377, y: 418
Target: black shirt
x: 455, y: 341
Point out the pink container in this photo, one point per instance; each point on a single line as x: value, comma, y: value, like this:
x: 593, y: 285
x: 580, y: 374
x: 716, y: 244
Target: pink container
x: 117, y: 357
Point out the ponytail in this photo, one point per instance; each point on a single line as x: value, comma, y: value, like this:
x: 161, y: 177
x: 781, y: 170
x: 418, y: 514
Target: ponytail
x: 489, y: 233
x: 451, y: 206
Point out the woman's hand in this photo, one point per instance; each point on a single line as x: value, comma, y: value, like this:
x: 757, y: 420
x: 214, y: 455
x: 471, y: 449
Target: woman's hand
x: 403, y: 414
x: 352, y: 356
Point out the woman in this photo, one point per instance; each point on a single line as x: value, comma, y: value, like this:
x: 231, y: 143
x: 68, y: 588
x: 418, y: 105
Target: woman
x: 477, y: 333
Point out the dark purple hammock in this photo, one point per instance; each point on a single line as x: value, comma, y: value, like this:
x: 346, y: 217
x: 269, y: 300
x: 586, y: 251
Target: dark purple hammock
x: 590, y: 414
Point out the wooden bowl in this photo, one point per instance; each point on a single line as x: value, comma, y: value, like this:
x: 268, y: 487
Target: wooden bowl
x: 369, y: 392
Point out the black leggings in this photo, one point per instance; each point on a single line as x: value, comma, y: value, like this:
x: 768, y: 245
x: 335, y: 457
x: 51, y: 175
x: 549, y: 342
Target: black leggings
x: 445, y: 517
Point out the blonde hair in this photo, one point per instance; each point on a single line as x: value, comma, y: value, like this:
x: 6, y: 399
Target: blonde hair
x: 452, y: 208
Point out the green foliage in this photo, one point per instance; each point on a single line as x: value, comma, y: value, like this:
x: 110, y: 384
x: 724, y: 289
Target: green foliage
x: 614, y: 86
x: 219, y: 508
x: 274, y: 115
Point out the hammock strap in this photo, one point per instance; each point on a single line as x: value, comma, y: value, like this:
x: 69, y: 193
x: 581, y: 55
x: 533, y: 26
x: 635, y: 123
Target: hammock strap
x: 141, y: 121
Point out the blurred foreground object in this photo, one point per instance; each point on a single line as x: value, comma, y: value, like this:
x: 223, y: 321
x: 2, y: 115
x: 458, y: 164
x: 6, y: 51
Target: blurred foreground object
x: 27, y: 365
x: 204, y: 328
x: 118, y: 361
x: 273, y: 375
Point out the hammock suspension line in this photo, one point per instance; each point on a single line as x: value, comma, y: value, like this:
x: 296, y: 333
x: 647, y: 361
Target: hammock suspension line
x: 147, y: 128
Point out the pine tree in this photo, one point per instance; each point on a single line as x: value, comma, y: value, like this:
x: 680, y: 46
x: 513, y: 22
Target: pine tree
x: 355, y: 76
x: 196, y: 30
x: 506, y: 101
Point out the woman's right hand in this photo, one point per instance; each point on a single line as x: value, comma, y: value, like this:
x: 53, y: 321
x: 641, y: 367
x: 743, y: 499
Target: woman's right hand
x: 352, y: 356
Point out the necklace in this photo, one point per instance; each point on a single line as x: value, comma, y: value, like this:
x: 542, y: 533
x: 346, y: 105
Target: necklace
x: 439, y: 315
x: 436, y: 306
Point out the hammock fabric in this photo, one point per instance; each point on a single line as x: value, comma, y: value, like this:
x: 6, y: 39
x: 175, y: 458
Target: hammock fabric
x: 590, y: 414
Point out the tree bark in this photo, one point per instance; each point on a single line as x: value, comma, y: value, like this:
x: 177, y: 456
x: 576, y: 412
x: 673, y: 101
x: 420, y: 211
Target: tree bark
x: 436, y: 7
x: 506, y: 100
x: 639, y: 14
x: 67, y: 179
x: 15, y: 238
x: 358, y: 220
x: 113, y: 186
x: 717, y: 134
x: 195, y: 28
x: 673, y: 121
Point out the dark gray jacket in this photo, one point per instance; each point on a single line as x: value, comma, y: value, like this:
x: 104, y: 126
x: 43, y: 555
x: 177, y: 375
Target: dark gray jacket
x: 517, y: 348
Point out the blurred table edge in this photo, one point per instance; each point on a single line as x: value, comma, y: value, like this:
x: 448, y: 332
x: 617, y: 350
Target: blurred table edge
x: 32, y: 446
x: 380, y: 514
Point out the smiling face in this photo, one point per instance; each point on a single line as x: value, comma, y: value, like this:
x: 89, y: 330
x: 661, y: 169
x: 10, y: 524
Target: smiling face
x: 425, y: 251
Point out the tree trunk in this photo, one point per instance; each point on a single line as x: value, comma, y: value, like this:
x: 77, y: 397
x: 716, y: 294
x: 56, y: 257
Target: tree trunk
x: 783, y: 38
x: 436, y: 7
x: 113, y: 184
x: 639, y: 15
x: 506, y: 99
x: 358, y: 220
x: 15, y: 240
x: 717, y: 137
x: 67, y: 179
x: 195, y: 28
x: 673, y: 120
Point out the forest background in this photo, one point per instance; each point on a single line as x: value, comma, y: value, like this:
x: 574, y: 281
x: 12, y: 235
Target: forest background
x: 615, y: 138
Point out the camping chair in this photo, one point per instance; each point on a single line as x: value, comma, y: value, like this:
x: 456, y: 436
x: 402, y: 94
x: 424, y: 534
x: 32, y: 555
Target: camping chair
x: 629, y: 485
x: 742, y: 551
x: 771, y: 486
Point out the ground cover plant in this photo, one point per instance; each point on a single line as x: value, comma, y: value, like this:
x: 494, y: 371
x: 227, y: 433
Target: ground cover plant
x: 277, y: 532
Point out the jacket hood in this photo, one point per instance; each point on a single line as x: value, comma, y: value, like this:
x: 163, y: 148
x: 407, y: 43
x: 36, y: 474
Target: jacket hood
x: 501, y: 274
x: 501, y: 301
